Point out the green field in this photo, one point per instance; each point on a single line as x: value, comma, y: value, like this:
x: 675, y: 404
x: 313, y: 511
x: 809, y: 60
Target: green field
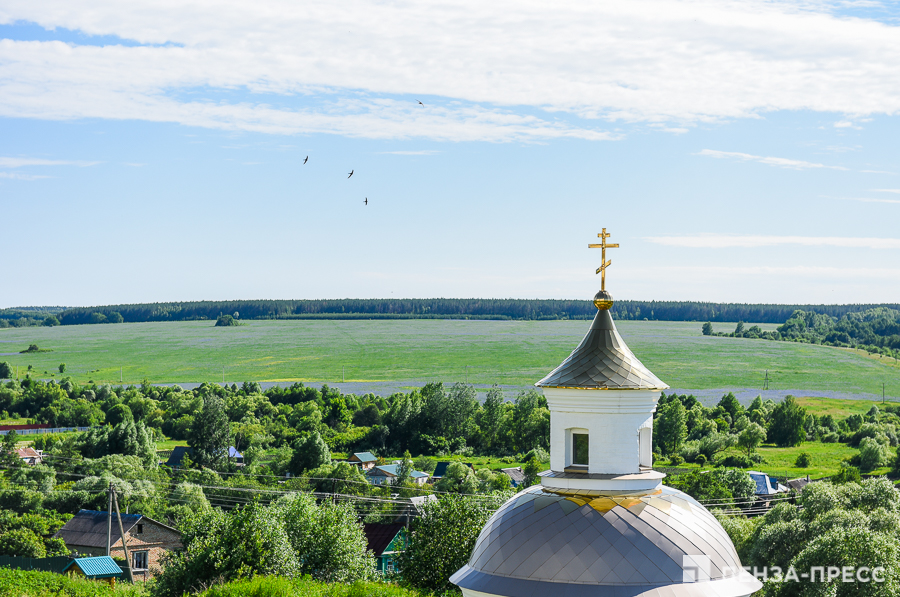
x: 514, y: 353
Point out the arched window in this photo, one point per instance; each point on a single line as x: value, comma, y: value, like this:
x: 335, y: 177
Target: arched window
x: 645, y: 440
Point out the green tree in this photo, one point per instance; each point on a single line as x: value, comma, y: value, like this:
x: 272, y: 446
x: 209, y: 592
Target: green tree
x: 49, y: 321
x: 6, y: 370
x: 751, y: 437
x: 310, y: 452
x: 707, y: 329
x: 531, y: 470
x: 246, y: 542
x: 210, y: 434
x: 702, y: 486
x: 404, y: 470
x: 22, y: 542
x: 786, y: 428
x: 225, y: 320
x: 739, y: 328
x: 8, y: 456
x: 327, y: 539
x: 670, y: 427
x: 62, y: 367
x: 458, y: 478
x: 872, y: 454
x: 442, y: 539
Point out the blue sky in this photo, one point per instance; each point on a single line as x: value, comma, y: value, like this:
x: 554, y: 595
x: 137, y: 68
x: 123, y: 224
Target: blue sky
x: 737, y: 151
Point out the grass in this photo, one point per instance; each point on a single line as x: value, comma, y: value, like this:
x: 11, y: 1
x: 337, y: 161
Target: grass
x: 21, y: 583
x: 515, y: 353
x: 273, y: 586
x: 837, y: 408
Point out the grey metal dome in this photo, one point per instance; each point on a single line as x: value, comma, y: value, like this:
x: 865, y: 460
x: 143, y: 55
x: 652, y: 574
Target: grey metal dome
x: 602, y: 362
x: 588, y: 543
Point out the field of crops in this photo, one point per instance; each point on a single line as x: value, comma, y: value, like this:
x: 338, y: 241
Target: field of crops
x: 510, y: 353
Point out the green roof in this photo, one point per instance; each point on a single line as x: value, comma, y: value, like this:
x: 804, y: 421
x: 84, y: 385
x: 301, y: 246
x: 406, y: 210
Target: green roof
x: 97, y: 567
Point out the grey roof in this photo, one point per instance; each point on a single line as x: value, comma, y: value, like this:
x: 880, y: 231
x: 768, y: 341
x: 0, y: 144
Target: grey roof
x: 541, y: 542
x: 88, y: 528
x: 516, y: 475
x: 602, y: 361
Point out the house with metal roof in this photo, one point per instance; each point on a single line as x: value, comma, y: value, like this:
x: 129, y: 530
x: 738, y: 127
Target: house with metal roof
x: 766, y: 485
x: 440, y: 468
x: 94, y: 568
x: 386, y: 473
x: 147, y: 539
x: 365, y: 460
x: 600, y: 521
x: 386, y: 541
x: 516, y: 475
x: 179, y: 452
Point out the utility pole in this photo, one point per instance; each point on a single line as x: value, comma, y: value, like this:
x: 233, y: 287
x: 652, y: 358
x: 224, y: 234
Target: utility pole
x: 766, y: 382
x: 882, y: 392
x: 120, y: 375
x: 223, y: 375
x: 128, y: 573
x: 109, y: 520
x: 467, y: 375
x: 342, y: 373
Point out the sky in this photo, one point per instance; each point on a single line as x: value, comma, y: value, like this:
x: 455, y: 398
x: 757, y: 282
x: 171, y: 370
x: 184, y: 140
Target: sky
x: 736, y: 151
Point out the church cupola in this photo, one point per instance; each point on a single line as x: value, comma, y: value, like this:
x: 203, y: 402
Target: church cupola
x: 601, y: 401
x: 601, y: 522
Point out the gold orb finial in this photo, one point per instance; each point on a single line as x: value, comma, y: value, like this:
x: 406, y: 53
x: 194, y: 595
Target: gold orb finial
x: 603, y: 300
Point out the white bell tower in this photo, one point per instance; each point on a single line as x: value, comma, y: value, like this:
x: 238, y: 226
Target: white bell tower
x: 601, y: 401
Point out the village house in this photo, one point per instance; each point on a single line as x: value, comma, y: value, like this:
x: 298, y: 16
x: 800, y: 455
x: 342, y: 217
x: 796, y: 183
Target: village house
x: 30, y: 456
x: 147, y: 539
x: 385, y: 541
x: 385, y: 474
x: 365, y: 460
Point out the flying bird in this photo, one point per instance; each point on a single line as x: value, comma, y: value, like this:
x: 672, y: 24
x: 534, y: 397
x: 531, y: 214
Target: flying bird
x: 420, y: 101
x: 351, y: 173
x: 306, y: 160
x: 366, y: 201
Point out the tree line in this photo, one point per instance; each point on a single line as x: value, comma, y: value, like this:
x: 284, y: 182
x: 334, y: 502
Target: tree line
x: 875, y: 330
x: 437, y: 308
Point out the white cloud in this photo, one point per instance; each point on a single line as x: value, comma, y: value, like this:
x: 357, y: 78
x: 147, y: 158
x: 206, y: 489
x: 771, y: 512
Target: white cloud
x: 869, y: 200
x: 475, y: 64
x: 7, y: 162
x: 896, y: 191
x: 420, y: 152
x: 20, y: 176
x: 833, y: 273
x: 770, y: 161
x: 721, y: 241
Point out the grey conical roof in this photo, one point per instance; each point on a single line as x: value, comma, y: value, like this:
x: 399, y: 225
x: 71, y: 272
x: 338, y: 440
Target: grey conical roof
x: 602, y: 362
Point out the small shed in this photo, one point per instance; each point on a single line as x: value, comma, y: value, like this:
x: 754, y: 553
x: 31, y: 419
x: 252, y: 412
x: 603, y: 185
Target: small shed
x: 385, y: 541
x: 95, y: 568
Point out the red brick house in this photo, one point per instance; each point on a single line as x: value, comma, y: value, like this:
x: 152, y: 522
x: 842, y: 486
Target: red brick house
x: 147, y: 539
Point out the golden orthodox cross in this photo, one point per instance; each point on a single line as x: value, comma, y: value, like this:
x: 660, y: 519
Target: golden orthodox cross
x: 604, y: 263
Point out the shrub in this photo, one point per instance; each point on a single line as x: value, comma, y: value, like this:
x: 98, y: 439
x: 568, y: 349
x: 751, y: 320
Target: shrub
x: 803, y: 460
x: 738, y: 461
x: 676, y: 460
x: 700, y: 459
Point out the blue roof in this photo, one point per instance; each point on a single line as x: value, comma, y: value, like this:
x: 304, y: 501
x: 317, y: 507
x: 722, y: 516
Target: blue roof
x: 391, y: 469
x: 97, y: 567
x: 765, y: 485
x: 365, y: 456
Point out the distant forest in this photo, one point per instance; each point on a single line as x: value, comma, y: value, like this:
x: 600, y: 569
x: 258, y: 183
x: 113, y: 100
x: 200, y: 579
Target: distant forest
x: 520, y: 309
